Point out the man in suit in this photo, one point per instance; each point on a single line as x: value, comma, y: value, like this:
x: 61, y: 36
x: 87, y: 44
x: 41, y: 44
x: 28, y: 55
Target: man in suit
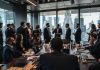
x: 47, y: 33
x: 57, y: 60
x: 8, y: 54
x: 78, y: 35
x: 24, y: 31
x: 57, y: 31
x: 68, y: 33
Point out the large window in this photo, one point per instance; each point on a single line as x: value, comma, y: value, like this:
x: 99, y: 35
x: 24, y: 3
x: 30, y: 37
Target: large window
x: 70, y: 17
x: 6, y: 17
x: 48, y: 17
x: 88, y: 16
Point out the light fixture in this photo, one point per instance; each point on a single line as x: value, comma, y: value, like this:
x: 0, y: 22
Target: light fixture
x: 31, y: 2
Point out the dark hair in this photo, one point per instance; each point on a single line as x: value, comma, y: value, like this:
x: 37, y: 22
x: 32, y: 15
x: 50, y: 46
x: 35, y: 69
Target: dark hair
x: 93, y: 35
x: 22, y: 23
x: 58, y: 25
x: 28, y: 24
x: 67, y: 24
x: 47, y: 24
x: 37, y: 26
x: 1, y: 24
x: 56, y: 44
x: 93, y: 26
x: 8, y: 25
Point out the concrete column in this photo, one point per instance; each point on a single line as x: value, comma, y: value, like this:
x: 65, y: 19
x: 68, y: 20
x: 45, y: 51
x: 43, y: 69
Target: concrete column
x: 20, y: 14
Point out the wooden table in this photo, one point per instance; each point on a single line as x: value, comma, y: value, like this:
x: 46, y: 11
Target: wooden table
x: 29, y: 66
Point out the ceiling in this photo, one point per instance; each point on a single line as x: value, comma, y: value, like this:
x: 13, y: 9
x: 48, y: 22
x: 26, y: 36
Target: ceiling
x: 55, y: 4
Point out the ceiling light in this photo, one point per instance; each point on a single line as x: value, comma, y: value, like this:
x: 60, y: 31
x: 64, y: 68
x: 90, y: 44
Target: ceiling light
x: 31, y: 2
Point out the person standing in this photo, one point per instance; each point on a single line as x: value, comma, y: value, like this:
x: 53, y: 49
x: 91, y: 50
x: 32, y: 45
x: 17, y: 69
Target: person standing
x: 57, y: 31
x: 68, y: 33
x: 47, y: 33
x: 78, y: 35
x: 24, y: 32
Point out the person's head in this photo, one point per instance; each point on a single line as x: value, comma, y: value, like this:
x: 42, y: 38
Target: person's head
x: 93, y: 37
x: 56, y: 44
x: 98, y: 25
x: 58, y: 25
x: 10, y: 41
x: 28, y: 25
x: 8, y: 25
x: 93, y: 26
x: 22, y: 24
x: 67, y: 25
x: 78, y: 25
x: 1, y: 25
x: 37, y: 26
x: 47, y: 24
x: 12, y: 25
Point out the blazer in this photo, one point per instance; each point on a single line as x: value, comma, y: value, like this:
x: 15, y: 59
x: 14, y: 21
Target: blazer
x: 46, y: 34
x: 58, y: 61
x: 68, y: 34
x: 59, y: 31
x: 8, y: 55
x: 95, y: 66
x: 78, y: 35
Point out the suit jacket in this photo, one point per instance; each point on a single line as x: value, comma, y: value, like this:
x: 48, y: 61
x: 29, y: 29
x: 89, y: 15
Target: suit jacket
x: 78, y: 35
x: 58, y: 61
x: 1, y: 38
x: 68, y: 34
x: 95, y: 66
x: 8, y: 55
x: 47, y: 35
x: 59, y: 32
x: 10, y: 32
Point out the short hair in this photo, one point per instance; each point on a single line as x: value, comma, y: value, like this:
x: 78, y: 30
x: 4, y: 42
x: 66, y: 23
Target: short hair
x: 67, y: 24
x: 47, y: 24
x: 58, y: 25
x: 22, y: 23
x: 1, y: 24
x: 8, y: 25
x: 28, y: 24
x: 37, y: 26
x: 56, y: 44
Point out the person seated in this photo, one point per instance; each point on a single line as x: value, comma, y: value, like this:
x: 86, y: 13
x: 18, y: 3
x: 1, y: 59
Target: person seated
x: 94, y: 47
x: 95, y: 51
x: 9, y: 53
x: 57, y: 60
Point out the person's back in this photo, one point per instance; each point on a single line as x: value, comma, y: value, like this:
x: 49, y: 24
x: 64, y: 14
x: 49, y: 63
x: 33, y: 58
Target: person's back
x: 95, y: 66
x: 58, y: 61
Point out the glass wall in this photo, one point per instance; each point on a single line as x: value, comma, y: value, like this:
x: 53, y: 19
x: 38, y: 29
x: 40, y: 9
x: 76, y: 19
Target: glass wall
x: 48, y: 17
x: 6, y: 17
x: 88, y: 16
x: 70, y: 17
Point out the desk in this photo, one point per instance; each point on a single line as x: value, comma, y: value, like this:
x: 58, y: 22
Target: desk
x: 29, y: 66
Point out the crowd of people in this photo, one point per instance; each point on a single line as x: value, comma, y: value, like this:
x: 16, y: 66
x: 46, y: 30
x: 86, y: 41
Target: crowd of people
x: 24, y: 37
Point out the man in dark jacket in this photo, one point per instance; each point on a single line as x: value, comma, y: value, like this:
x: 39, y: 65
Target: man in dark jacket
x: 57, y: 60
x: 68, y: 33
x: 47, y: 33
x: 57, y: 31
